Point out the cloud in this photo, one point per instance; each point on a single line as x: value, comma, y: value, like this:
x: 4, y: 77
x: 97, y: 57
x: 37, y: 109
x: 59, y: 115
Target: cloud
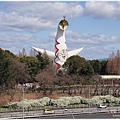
x: 74, y: 37
x: 16, y: 37
x: 8, y: 41
x: 103, y: 9
x: 95, y: 46
x: 37, y: 16
x: 22, y: 25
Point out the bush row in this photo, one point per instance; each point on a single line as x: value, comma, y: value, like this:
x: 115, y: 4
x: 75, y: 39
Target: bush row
x: 64, y: 101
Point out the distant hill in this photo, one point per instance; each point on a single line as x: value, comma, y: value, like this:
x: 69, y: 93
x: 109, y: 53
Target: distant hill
x: 103, y: 59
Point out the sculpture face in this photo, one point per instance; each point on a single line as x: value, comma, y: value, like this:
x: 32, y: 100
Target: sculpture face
x: 63, y: 24
x: 62, y: 55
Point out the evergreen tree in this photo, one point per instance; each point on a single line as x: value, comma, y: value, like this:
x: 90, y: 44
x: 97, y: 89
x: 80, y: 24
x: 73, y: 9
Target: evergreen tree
x: 74, y: 64
x: 43, y: 59
x: 4, y: 68
x: 103, y: 67
x: 96, y: 66
x: 87, y: 69
x: 33, y: 65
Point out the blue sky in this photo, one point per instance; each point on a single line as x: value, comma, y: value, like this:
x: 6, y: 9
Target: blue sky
x: 94, y: 25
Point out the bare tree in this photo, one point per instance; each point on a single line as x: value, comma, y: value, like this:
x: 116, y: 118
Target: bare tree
x: 33, y: 53
x: 46, y: 80
x: 19, y: 54
x: 24, y: 53
x: 11, y: 94
x: 118, y: 62
x: 110, y: 64
x: 113, y: 65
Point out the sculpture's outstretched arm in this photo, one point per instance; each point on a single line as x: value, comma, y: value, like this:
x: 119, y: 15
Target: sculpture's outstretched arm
x: 49, y: 53
x: 74, y: 52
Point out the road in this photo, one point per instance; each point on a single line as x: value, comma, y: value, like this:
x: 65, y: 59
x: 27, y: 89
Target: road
x: 76, y: 113
x: 84, y: 116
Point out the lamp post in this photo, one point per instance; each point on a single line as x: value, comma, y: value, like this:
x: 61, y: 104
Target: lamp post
x: 111, y: 92
x: 89, y: 98
x: 23, y: 102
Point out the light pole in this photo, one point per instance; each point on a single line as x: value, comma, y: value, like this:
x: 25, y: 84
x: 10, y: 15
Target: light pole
x: 23, y: 102
x: 111, y: 92
x: 89, y: 98
x: 73, y: 116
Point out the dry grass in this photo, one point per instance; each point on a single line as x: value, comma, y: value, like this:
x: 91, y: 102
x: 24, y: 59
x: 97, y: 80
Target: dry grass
x: 4, y: 97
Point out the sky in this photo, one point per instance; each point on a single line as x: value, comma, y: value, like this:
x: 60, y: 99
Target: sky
x: 94, y: 25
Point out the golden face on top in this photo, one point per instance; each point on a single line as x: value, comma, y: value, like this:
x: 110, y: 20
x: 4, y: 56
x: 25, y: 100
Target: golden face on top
x: 63, y: 24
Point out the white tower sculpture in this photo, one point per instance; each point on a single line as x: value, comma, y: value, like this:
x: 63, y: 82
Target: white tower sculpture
x: 61, y: 53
